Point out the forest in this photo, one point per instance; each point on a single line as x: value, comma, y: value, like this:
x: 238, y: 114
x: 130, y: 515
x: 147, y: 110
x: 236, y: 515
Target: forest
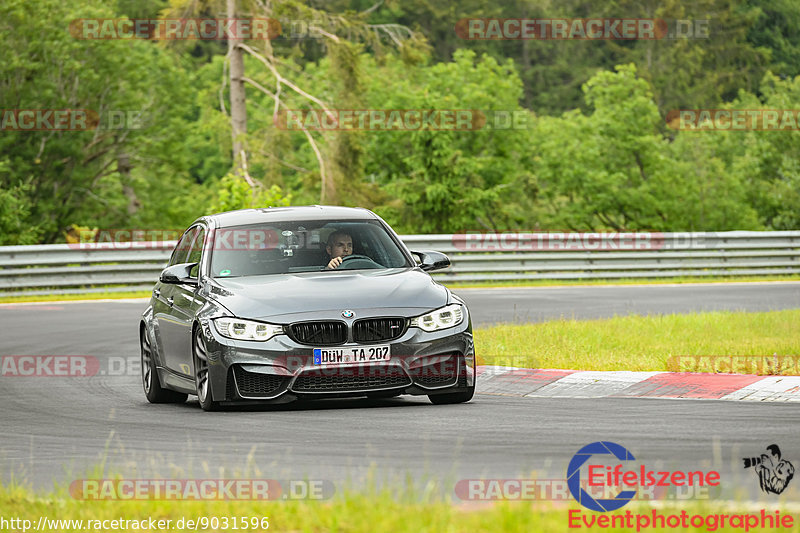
x: 564, y: 134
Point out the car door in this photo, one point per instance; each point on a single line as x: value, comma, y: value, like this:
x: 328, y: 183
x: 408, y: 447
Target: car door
x: 186, y: 300
x: 166, y: 318
x: 163, y: 294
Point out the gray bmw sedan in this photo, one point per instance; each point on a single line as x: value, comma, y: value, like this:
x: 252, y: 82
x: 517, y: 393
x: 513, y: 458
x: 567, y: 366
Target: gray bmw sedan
x: 278, y: 304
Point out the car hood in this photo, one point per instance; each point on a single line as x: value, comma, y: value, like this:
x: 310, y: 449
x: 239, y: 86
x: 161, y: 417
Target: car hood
x: 329, y: 293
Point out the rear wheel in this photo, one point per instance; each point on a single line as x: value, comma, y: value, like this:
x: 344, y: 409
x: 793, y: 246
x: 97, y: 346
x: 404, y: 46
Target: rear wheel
x: 201, y: 380
x: 153, y: 390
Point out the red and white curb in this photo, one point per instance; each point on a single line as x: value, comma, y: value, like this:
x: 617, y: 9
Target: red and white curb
x: 538, y: 383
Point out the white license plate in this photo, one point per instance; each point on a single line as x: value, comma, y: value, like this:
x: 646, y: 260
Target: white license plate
x: 351, y: 356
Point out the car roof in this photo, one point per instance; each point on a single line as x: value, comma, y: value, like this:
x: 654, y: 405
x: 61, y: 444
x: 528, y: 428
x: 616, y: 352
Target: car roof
x: 284, y: 214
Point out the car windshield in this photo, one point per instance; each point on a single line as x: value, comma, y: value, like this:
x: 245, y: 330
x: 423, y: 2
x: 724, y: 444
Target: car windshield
x: 303, y: 246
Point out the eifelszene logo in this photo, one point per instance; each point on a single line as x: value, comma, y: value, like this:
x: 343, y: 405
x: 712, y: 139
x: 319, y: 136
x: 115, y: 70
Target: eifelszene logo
x: 601, y: 475
x: 574, y: 476
x: 774, y: 473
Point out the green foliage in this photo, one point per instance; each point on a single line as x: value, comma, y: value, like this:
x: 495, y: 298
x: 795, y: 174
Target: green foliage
x: 441, y: 181
x: 141, y: 9
x: 592, y: 150
x: 15, y: 209
x: 346, y: 149
x: 775, y: 30
x: 235, y: 193
x: 109, y: 176
x: 448, y: 181
x: 612, y: 169
x: 766, y: 162
x: 684, y: 73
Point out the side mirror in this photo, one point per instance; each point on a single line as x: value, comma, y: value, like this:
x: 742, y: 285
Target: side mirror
x: 430, y: 260
x: 177, y: 274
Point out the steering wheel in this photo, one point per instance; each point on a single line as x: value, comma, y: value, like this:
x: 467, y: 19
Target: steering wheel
x: 354, y: 261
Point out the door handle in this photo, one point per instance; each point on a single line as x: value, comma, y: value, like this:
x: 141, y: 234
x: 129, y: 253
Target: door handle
x: 170, y: 301
x: 156, y: 293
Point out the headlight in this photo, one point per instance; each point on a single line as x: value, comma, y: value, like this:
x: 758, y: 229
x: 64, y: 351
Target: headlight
x: 446, y: 317
x: 246, y: 330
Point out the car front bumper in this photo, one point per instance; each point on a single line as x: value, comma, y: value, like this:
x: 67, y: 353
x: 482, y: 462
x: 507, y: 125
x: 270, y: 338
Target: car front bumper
x: 281, y: 370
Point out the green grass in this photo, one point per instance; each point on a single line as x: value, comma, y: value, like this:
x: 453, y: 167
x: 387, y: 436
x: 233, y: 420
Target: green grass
x: 348, y: 512
x: 71, y: 297
x: 638, y: 343
x: 621, y: 281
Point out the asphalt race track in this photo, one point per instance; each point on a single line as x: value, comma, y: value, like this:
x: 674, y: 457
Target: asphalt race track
x: 57, y: 428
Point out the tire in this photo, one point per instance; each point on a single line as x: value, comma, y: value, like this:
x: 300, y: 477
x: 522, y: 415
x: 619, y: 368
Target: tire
x: 153, y: 390
x: 201, y: 381
x: 453, y: 397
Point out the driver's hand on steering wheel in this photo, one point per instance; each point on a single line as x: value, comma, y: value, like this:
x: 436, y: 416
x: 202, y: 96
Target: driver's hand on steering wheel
x: 334, y: 263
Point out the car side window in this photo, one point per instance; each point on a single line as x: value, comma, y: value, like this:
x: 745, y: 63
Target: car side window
x: 196, y: 251
x: 181, y: 251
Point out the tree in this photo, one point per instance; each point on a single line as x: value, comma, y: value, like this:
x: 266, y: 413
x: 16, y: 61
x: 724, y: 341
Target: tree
x: 765, y: 161
x: 613, y: 169
x: 447, y: 181
x: 237, y: 97
x: 338, y: 31
x: 96, y: 176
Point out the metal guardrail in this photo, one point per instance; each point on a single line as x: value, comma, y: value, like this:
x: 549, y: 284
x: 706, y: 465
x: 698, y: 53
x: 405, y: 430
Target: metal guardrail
x: 62, y: 268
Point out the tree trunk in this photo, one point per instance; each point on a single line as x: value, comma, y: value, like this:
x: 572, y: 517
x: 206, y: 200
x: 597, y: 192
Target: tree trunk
x: 238, y: 108
x: 124, y: 169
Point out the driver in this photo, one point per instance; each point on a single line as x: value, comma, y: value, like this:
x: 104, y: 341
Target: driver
x: 340, y: 245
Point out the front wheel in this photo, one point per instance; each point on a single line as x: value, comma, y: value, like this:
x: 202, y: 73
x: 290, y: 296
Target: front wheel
x: 456, y: 397
x: 201, y: 380
x: 153, y: 390
x: 453, y: 397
